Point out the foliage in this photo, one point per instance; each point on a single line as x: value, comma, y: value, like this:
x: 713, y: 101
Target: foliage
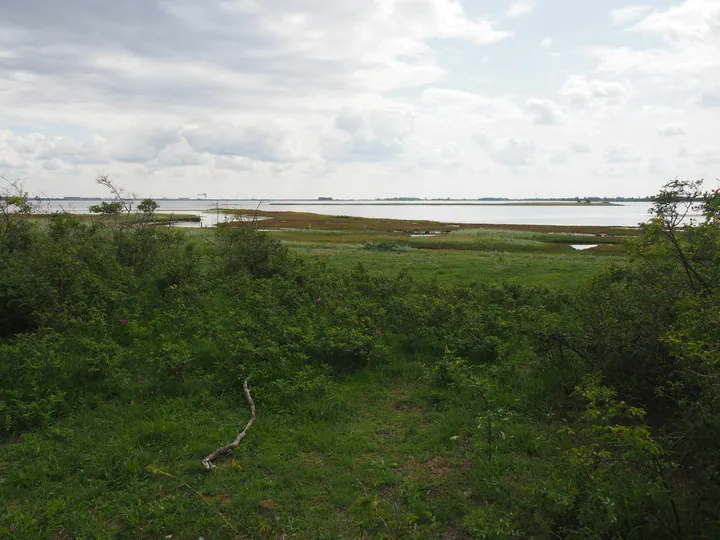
x: 611, y: 475
x: 256, y: 253
x: 15, y: 204
x: 388, y: 406
x: 650, y: 328
x: 107, y: 208
x: 147, y: 206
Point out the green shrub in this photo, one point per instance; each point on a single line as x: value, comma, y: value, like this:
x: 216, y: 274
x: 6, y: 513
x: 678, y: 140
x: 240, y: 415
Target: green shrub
x: 244, y: 248
x: 46, y: 375
x: 611, y: 477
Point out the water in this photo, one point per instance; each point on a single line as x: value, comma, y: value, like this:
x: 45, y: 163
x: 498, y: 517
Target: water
x: 621, y: 215
x: 627, y: 215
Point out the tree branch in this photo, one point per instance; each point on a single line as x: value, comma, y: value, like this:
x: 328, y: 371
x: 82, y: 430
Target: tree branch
x: 118, y: 192
x: 223, y: 450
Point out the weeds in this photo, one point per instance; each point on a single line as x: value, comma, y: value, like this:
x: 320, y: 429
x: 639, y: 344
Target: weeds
x: 390, y: 406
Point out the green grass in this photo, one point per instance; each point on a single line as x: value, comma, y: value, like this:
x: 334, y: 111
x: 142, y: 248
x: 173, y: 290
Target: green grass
x: 382, y: 453
x: 535, y: 237
x: 379, y: 455
x: 527, y: 254
x: 530, y: 255
x: 450, y: 266
x: 437, y: 416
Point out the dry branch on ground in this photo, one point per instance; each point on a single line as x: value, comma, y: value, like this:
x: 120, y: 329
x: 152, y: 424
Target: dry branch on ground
x: 223, y: 450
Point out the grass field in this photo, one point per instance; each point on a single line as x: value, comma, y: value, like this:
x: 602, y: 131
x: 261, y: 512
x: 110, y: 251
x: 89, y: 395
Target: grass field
x: 449, y: 252
x: 451, y: 266
x: 376, y: 457
x: 452, y: 258
x: 306, y: 230
x: 386, y: 408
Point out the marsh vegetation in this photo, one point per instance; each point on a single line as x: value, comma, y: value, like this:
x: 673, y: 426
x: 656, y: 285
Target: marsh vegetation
x: 517, y: 396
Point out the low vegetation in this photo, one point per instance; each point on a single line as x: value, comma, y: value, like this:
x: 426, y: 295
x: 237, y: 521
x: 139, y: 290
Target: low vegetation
x: 450, y: 253
x: 158, y: 218
x: 556, y: 269
x: 453, y: 203
x: 388, y: 405
x: 279, y: 221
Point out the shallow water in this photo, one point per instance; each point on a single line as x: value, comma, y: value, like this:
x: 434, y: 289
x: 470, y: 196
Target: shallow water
x: 624, y: 215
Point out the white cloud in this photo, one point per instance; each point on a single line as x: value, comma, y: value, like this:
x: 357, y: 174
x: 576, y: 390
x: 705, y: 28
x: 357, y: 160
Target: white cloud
x: 181, y: 154
x: 368, y: 136
x: 621, y: 154
x: 701, y: 156
x: 508, y: 151
x: 708, y: 157
x: 692, y: 19
x: 626, y: 15
x: 544, y: 111
x: 144, y: 145
x: 423, y: 19
x: 519, y: 9
x: 233, y: 163
x: 691, y: 53
x: 559, y: 158
x: 290, y: 98
x: 594, y: 92
x: 710, y: 99
x: 36, y: 147
x: 455, y: 102
x: 580, y: 148
x: 267, y: 143
x: 671, y: 130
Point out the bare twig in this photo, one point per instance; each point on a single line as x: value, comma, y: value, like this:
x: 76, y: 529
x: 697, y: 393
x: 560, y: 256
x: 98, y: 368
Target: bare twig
x: 223, y: 450
x: 118, y: 192
x: 702, y: 374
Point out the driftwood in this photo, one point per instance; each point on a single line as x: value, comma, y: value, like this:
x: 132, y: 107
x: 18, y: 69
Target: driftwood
x: 223, y: 450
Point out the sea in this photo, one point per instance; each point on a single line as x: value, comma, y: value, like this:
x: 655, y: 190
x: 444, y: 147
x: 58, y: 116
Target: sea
x: 626, y: 214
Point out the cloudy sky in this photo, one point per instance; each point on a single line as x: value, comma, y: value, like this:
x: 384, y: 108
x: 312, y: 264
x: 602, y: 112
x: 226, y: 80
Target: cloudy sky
x: 359, y: 98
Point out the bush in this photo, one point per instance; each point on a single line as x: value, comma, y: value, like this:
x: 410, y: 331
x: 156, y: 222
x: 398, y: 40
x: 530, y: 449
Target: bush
x: 611, y: 475
x: 43, y: 376
x: 650, y: 329
x: 245, y: 248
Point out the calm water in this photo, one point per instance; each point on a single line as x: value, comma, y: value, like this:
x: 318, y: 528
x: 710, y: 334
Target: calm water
x: 627, y: 215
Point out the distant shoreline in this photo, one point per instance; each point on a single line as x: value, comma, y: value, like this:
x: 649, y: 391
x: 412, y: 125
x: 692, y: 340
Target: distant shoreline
x: 449, y: 203
x: 483, y: 201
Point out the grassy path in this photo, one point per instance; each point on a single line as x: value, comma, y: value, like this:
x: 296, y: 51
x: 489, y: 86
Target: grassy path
x: 368, y: 459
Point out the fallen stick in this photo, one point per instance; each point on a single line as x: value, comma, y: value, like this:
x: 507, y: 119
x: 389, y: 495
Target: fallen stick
x: 223, y: 450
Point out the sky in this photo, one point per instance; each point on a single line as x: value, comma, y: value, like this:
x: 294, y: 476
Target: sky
x: 359, y: 98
